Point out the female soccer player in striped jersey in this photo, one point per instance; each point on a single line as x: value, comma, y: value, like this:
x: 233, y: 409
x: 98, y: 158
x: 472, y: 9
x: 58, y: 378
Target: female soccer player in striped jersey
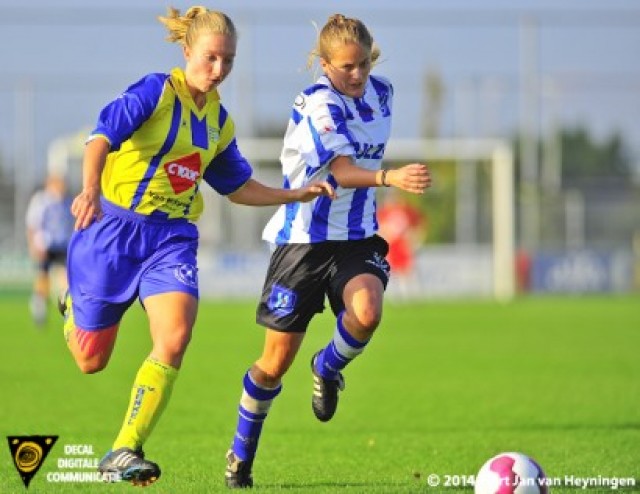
x: 135, y: 234
x: 338, y: 132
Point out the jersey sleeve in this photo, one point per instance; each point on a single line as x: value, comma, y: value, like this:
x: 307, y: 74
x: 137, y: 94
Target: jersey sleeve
x: 228, y: 171
x: 325, y: 131
x: 34, y: 211
x: 124, y: 115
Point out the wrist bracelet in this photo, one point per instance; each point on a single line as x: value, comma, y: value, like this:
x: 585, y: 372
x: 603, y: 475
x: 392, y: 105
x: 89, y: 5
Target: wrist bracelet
x: 383, y: 178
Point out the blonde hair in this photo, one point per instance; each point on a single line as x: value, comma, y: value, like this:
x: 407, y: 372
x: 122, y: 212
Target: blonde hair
x: 342, y: 30
x: 184, y: 29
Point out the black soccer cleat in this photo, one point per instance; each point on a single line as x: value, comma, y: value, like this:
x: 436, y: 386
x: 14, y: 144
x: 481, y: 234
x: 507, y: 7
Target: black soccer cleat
x: 128, y: 465
x: 63, y: 302
x: 238, y: 472
x: 325, y: 393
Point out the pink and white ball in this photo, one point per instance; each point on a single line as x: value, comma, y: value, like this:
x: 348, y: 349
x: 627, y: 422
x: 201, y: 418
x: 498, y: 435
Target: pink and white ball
x: 511, y: 473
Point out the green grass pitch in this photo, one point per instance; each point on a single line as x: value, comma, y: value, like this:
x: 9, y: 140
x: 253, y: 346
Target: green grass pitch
x: 442, y: 387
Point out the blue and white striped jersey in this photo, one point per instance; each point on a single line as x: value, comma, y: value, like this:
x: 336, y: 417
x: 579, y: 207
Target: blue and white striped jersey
x: 50, y: 220
x: 325, y: 124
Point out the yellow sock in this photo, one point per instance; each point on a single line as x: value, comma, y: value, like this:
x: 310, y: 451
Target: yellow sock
x: 69, y: 323
x: 150, y: 394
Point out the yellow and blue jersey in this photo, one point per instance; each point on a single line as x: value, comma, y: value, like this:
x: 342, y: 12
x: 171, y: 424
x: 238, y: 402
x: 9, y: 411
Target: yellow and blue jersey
x: 162, y: 147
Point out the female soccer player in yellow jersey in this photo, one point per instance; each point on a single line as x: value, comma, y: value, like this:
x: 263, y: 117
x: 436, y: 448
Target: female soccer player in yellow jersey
x: 135, y: 234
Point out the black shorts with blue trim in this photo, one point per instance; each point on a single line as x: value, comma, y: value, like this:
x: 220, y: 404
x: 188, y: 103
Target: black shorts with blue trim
x: 300, y: 275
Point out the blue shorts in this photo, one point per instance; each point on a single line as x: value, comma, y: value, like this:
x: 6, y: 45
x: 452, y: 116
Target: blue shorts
x: 127, y: 255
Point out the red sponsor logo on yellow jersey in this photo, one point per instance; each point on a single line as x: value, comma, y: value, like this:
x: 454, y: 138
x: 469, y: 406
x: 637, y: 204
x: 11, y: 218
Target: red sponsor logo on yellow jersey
x: 183, y: 172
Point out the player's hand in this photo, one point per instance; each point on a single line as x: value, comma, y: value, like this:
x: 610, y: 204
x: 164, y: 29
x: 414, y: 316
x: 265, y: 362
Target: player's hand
x: 86, y: 208
x: 316, y: 189
x: 414, y: 178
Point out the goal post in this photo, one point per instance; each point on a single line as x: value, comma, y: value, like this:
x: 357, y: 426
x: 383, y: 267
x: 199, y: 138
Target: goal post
x: 500, y: 155
x: 503, y: 196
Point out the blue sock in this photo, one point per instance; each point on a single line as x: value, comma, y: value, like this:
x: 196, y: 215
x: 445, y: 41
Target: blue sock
x: 342, y: 349
x: 253, y: 409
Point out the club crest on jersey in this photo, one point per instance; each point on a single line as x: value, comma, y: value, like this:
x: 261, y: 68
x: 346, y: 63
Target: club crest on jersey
x: 281, y: 301
x: 183, y: 172
x: 300, y: 102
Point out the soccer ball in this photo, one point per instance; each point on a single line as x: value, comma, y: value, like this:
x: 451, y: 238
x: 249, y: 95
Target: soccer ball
x: 511, y: 473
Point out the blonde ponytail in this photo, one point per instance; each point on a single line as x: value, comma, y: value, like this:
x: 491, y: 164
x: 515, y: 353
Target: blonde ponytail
x: 184, y: 29
x: 340, y: 29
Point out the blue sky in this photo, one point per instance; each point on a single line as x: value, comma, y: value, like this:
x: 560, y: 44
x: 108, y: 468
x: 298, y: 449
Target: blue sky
x: 67, y: 58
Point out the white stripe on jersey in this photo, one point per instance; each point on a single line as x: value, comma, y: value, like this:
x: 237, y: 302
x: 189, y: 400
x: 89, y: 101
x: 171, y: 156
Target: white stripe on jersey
x: 325, y: 124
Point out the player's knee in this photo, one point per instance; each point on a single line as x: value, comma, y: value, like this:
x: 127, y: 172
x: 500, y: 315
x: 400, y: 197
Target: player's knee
x: 171, y: 347
x: 268, y: 378
x: 92, y: 365
x: 365, y: 320
x: 180, y: 343
x: 370, y: 322
x: 270, y: 369
x: 92, y: 349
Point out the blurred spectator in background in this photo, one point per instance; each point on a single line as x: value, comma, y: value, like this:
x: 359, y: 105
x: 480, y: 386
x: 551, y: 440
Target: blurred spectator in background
x: 49, y: 227
x: 403, y: 226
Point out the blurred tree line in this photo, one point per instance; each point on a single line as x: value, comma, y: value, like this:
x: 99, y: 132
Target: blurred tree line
x: 583, y: 158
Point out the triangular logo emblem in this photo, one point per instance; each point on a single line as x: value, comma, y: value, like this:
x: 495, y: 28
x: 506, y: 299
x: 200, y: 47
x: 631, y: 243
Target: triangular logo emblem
x: 28, y: 453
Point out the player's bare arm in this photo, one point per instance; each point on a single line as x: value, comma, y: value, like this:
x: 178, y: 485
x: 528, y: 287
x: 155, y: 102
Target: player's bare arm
x: 414, y: 177
x: 86, y: 205
x: 254, y: 193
